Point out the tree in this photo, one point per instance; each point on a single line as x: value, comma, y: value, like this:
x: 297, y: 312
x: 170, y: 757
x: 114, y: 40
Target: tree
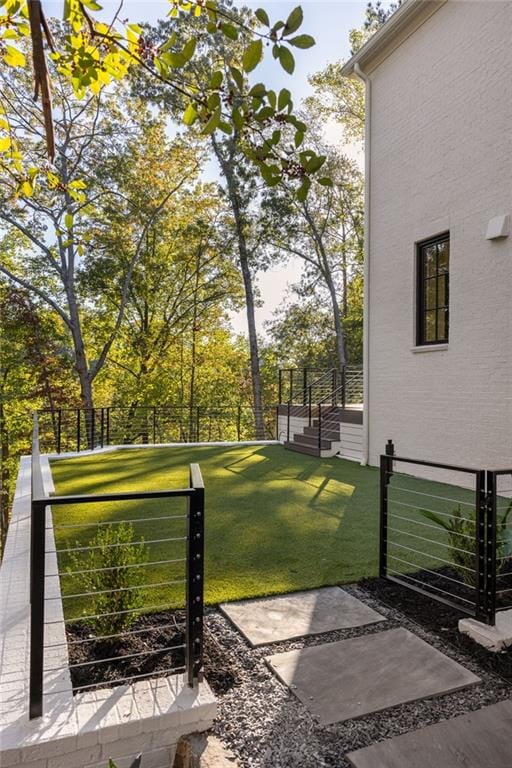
x: 92, y: 54
x: 326, y: 232
x: 58, y: 225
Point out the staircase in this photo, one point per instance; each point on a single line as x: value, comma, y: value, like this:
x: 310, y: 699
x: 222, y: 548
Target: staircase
x: 320, y: 440
x: 327, y: 419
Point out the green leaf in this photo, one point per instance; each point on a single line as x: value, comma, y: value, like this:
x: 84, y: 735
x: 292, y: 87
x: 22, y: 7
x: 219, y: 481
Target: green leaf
x: 302, y: 41
x: 190, y: 115
x: 299, y: 138
x: 5, y: 143
x: 252, y: 55
x: 216, y: 80
x: 325, y: 181
x: 237, y: 77
x: 258, y: 90
x: 303, y: 190
x: 262, y: 16
x: 225, y: 127
x: 212, y: 124
x: 286, y: 59
x: 68, y: 220
x: 284, y: 98
x: 230, y: 31
x: 189, y: 49
x: 237, y: 117
x: 264, y: 114
x: 294, y: 20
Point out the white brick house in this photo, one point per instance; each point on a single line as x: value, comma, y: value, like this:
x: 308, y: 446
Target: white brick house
x: 438, y: 317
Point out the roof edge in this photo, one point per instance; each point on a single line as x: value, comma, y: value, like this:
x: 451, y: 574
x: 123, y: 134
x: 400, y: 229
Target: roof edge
x: 406, y: 20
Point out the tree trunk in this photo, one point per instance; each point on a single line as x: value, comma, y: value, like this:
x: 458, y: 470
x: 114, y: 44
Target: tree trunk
x: 234, y: 199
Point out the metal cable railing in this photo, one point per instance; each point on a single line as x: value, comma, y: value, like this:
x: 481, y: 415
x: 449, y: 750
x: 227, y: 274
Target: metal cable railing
x: 65, y: 430
x: 444, y: 540
x: 107, y: 576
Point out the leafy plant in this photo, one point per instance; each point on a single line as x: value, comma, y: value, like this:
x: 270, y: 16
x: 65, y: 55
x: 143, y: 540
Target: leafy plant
x: 135, y: 764
x: 111, y: 578
x: 462, y: 540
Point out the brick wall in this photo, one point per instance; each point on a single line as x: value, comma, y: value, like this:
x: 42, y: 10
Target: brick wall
x: 441, y: 134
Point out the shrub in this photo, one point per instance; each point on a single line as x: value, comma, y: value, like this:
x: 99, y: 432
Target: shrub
x: 115, y: 587
x: 462, y: 541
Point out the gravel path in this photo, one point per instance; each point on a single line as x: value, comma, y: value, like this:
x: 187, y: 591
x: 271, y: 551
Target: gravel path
x: 265, y: 726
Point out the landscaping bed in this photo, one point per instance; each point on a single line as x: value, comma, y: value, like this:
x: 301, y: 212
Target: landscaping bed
x: 265, y: 725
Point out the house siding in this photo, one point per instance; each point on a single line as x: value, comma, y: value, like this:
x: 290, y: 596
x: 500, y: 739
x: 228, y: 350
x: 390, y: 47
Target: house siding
x: 441, y: 143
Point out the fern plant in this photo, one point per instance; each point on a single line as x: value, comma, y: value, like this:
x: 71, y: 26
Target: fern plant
x: 462, y: 540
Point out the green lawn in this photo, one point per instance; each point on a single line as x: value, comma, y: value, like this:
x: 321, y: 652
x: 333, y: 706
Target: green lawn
x: 276, y: 521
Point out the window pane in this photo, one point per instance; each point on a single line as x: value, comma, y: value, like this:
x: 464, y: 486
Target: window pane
x: 442, y: 324
x: 431, y: 294
x: 429, y: 260
x: 442, y: 291
x: 430, y: 326
x: 443, y: 250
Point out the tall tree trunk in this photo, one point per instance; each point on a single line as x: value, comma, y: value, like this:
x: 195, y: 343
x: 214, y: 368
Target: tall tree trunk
x: 234, y: 199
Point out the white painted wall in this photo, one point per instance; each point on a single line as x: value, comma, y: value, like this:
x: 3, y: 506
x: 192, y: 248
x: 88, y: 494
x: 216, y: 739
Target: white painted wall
x: 441, y: 135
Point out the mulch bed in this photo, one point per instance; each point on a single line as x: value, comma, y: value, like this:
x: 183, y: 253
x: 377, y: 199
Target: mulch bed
x: 153, y: 660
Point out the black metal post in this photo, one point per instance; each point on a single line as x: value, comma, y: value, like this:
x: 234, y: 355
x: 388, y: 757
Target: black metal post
x: 490, y: 561
x: 154, y: 425
x: 334, y: 381
x: 480, y: 564
x: 37, y: 558
x: 59, y: 430
x: 386, y: 470
x: 108, y: 426
x: 310, y: 397
x: 198, y: 423
x: 343, y: 386
x: 195, y: 584
x: 291, y: 385
x: 288, y: 424
x: 78, y: 430
x: 319, y: 429
x: 93, y: 427
x: 280, y: 395
x: 238, y: 422
x: 102, y: 427
x: 304, y: 385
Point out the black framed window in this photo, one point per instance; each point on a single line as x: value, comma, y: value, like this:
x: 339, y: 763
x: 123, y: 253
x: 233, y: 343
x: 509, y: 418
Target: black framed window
x: 433, y: 289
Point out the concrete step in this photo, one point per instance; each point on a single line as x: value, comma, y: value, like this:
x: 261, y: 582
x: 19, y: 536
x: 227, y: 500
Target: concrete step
x: 300, y: 448
x: 312, y: 440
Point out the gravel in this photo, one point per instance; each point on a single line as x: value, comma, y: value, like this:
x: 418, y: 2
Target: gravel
x: 265, y: 726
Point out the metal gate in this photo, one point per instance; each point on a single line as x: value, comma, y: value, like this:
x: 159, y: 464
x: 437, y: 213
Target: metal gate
x: 449, y: 538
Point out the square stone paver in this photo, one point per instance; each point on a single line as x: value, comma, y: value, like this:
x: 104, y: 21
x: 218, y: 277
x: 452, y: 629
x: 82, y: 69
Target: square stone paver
x: 351, y: 678
x: 479, y: 739
x: 302, y: 613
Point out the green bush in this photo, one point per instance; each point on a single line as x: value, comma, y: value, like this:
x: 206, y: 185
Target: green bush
x: 115, y: 587
x: 462, y: 541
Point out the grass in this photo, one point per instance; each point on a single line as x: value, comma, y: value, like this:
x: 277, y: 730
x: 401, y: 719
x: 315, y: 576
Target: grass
x: 276, y: 521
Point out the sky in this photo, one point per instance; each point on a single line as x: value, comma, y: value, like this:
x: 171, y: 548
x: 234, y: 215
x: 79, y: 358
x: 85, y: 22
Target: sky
x: 329, y: 21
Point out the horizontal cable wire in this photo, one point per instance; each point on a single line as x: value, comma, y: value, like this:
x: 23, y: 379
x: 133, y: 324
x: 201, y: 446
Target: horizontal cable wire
x: 146, y: 609
x: 116, y: 567
x: 434, y: 511
x: 173, y: 670
x: 425, y: 554
x: 426, y: 585
x: 426, y: 525
x: 429, y: 495
x: 430, y: 541
x: 118, y: 589
x: 434, y: 573
x: 117, y: 658
x: 116, y: 522
x: 81, y: 641
x: 119, y: 544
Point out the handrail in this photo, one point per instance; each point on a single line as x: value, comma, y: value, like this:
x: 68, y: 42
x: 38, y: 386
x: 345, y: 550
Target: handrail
x: 314, y: 383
